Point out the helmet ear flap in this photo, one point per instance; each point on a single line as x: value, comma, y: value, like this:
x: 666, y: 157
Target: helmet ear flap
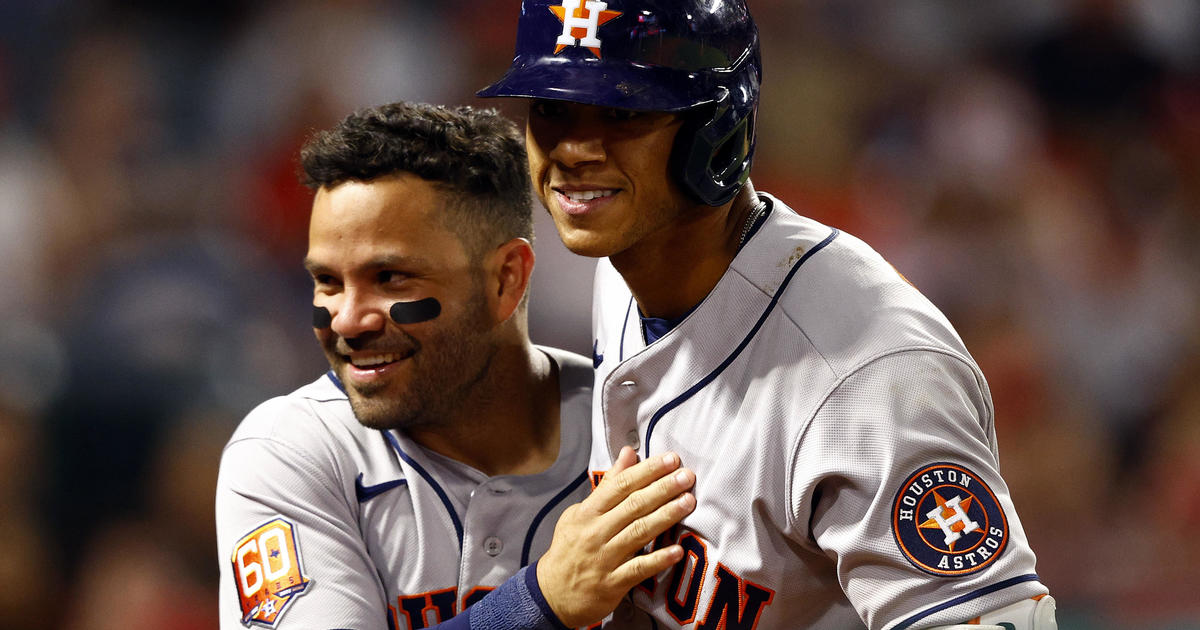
x: 711, y: 155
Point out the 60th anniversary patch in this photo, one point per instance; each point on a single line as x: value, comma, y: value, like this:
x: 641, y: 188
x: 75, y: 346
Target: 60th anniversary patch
x: 947, y: 521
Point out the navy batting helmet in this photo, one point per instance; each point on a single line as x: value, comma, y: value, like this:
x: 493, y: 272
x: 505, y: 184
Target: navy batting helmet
x: 696, y: 57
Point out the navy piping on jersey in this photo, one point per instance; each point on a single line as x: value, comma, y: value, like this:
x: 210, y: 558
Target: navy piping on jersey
x: 537, y: 520
x: 987, y: 590
x: 680, y: 399
x: 458, y: 528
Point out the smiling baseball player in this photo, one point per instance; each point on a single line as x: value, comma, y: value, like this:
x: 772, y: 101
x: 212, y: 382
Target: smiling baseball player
x: 841, y: 434
x: 419, y: 476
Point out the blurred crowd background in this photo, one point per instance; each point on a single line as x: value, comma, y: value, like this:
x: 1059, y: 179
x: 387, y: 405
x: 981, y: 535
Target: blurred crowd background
x: 1033, y: 166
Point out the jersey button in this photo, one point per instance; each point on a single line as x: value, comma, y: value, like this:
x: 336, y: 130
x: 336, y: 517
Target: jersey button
x: 633, y: 439
x: 492, y: 546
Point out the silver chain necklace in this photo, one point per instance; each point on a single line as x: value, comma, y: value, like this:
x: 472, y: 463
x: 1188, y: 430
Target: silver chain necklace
x: 757, y: 212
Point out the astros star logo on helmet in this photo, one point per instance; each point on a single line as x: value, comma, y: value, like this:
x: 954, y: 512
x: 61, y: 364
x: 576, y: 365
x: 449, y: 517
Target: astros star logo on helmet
x: 581, y: 21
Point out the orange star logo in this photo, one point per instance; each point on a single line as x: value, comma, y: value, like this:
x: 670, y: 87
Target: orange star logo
x: 948, y: 515
x: 580, y: 26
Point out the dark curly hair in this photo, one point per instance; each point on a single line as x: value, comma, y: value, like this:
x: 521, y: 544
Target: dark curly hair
x: 477, y: 156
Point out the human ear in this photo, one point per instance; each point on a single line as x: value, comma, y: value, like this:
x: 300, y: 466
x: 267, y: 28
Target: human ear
x: 509, y: 272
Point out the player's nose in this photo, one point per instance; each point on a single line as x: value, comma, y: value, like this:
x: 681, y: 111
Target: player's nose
x: 356, y: 314
x: 573, y: 153
x: 581, y: 141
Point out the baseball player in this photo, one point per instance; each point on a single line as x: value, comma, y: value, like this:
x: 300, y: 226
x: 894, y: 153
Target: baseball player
x: 841, y: 435
x: 430, y: 464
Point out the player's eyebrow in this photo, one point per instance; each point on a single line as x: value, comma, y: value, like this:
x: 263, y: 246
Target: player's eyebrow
x: 384, y: 261
x: 314, y: 267
x: 398, y: 261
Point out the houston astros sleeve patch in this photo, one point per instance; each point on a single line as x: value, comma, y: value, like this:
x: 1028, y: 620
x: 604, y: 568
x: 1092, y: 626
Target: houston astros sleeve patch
x: 266, y: 565
x: 947, y: 521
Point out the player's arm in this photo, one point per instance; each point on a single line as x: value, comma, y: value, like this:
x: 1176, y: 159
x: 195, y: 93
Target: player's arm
x: 1029, y: 614
x: 920, y: 521
x: 290, y: 552
x: 594, y: 557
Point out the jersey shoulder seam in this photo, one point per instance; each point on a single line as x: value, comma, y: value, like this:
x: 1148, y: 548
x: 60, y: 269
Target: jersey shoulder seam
x: 794, y: 449
x: 328, y: 479
x: 781, y: 308
x: 302, y: 453
x: 313, y: 463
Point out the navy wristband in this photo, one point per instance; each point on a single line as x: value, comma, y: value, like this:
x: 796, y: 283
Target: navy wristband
x: 517, y: 604
x: 535, y: 591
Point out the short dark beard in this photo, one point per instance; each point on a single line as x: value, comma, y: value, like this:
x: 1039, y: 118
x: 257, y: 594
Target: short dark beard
x: 428, y: 408
x: 448, y: 370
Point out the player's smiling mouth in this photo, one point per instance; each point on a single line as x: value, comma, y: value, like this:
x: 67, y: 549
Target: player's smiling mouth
x: 587, y: 195
x: 374, y: 362
x: 580, y: 200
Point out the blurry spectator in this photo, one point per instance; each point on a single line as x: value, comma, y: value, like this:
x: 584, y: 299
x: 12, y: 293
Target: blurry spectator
x: 1091, y: 69
x: 167, y: 321
x: 346, y: 53
x: 154, y: 570
x: 1116, y: 296
x: 27, y: 577
x: 25, y: 234
x: 105, y: 134
x: 300, y: 66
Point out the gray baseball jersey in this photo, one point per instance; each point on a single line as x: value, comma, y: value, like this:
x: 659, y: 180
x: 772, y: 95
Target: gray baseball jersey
x: 841, y: 435
x: 323, y: 523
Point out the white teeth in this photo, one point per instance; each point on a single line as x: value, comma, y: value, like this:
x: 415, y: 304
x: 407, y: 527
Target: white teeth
x: 588, y: 195
x: 379, y: 359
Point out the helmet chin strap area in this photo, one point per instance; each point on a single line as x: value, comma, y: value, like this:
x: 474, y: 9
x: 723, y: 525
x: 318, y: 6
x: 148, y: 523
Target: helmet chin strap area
x: 415, y: 312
